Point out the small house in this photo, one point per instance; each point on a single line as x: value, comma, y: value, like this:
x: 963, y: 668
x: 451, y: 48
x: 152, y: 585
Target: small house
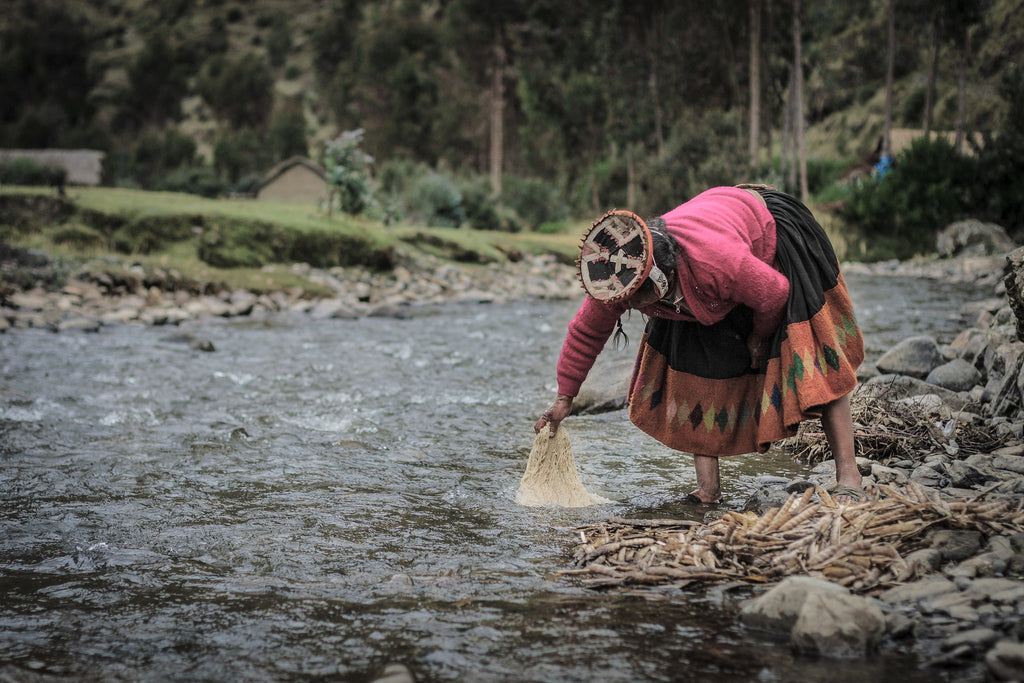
x: 294, y: 180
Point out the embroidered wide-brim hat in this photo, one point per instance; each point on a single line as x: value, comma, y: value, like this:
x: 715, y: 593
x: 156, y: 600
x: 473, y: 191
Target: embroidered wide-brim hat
x: 616, y: 256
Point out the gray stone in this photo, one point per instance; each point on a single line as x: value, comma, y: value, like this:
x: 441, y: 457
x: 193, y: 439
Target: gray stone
x: 975, y: 638
x: 1005, y: 661
x: 920, y: 563
x: 896, y: 387
x: 779, y: 607
x: 837, y: 625
x: 962, y: 475
x: 1009, y: 463
x: 956, y: 375
x: 922, y: 589
x: 395, y: 673
x: 888, y: 475
x: 926, y: 475
x: 606, y: 387
x: 955, y: 545
x: 80, y: 324
x: 997, y: 590
x: 915, y: 357
x: 971, y: 237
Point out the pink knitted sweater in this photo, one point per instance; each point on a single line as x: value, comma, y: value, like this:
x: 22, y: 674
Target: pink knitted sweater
x: 727, y: 246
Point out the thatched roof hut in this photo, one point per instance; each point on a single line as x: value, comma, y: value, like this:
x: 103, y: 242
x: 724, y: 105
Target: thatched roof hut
x: 295, y: 179
x: 84, y: 166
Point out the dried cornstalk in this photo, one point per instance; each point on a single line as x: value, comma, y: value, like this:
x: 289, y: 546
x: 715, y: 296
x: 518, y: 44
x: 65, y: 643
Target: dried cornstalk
x: 860, y: 545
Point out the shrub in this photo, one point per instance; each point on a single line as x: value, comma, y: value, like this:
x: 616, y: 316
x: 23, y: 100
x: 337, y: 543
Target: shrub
x: 534, y: 200
x: 25, y: 171
x: 997, y: 192
x: 78, y: 236
x: 926, y: 190
x: 146, y: 234
x: 200, y: 180
x: 435, y: 201
x: 348, y: 174
x: 478, y: 204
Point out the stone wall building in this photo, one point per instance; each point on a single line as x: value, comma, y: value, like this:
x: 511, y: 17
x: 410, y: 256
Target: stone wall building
x: 84, y: 166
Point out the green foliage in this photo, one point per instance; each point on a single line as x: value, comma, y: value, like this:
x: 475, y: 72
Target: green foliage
x: 926, y: 190
x: 279, y: 40
x: 79, y: 236
x: 433, y: 200
x: 286, y: 135
x: 25, y: 171
x: 200, y: 180
x: 46, y: 72
x: 478, y: 203
x: 240, y: 90
x: 534, y: 200
x: 235, y: 243
x: 348, y: 174
x: 156, y: 82
x: 998, y: 188
x: 824, y: 173
x: 239, y: 152
x: 157, y: 155
x: 147, y: 234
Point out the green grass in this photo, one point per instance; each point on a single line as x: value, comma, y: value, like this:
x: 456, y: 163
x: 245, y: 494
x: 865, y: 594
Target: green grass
x: 152, y: 229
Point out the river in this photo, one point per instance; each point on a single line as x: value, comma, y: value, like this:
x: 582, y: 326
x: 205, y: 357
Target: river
x: 317, y: 499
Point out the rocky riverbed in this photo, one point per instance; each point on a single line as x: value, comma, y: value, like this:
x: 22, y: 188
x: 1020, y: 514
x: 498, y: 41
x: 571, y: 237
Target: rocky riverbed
x: 961, y: 603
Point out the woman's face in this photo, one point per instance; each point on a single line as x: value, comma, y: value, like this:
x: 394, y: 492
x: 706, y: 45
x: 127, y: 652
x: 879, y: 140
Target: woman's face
x: 647, y: 296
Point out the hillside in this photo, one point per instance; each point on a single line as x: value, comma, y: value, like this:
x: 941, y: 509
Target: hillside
x: 597, y: 105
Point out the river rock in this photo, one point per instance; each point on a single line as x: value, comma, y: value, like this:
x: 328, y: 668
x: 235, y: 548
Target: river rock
x: 971, y: 237
x: 956, y: 375
x: 914, y: 356
x: 923, y: 589
x: 1005, y: 661
x: 1014, y: 282
x: 80, y: 324
x: 779, y: 607
x: 897, y: 387
x: 955, y: 545
x: 395, y: 673
x: 824, y: 618
x: 606, y: 389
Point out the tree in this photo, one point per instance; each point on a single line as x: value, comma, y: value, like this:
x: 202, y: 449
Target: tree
x: 156, y: 83
x: 890, y: 76
x: 754, y: 29
x: 239, y: 90
x: 286, y: 134
x: 45, y: 71
x: 348, y: 174
x: 798, y: 100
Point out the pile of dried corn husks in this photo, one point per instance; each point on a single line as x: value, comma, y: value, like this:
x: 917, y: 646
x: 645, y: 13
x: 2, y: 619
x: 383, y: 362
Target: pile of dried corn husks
x: 860, y: 545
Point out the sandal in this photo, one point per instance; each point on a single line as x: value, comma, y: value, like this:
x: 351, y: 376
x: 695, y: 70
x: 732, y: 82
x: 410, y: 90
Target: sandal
x: 848, y: 494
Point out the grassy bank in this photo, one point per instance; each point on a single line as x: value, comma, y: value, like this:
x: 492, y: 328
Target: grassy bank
x: 238, y: 242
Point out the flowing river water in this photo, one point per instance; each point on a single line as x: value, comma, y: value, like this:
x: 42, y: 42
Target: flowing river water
x: 319, y: 498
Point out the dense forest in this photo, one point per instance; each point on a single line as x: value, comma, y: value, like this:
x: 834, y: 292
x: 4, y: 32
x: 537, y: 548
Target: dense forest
x: 548, y: 107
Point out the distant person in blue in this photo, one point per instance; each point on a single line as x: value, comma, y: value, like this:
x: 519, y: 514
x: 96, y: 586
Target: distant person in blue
x: 883, y: 166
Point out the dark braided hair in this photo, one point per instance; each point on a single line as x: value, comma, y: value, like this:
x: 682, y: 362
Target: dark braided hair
x: 665, y: 249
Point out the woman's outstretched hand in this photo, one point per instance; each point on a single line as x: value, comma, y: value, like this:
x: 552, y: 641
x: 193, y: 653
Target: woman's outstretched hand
x: 554, y: 415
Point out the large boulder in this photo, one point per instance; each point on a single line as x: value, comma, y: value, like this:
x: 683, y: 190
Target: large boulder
x: 915, y: 357
x: 823, y: 618
x: 972, y: 237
